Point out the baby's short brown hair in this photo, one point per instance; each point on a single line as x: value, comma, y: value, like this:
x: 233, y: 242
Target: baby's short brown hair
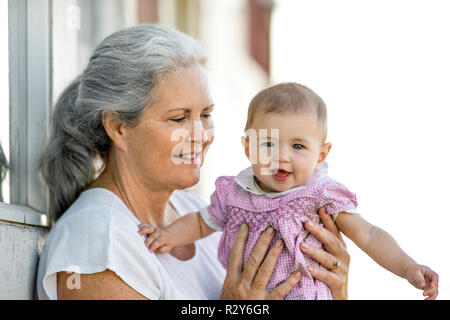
x: 289, y: 97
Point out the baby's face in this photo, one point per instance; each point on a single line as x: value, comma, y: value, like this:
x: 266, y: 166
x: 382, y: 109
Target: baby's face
x: 294, y: 155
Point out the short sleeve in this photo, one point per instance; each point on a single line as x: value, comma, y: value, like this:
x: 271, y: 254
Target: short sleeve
x: 132, y: 262
x: 215, y: 215
x: 206, y: 217
x: 91, y: 242
x: 336, y: 198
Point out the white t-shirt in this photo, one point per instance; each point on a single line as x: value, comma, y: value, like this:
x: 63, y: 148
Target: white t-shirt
x: 99, y: 232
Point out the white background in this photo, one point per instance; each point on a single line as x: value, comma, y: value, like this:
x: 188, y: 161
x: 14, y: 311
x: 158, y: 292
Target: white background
x: 383, y: 68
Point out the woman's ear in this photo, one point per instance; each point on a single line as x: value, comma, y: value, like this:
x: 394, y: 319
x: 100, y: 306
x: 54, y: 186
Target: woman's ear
x: 324, y: 151
x: 114, y: 127
x: 244, y: 141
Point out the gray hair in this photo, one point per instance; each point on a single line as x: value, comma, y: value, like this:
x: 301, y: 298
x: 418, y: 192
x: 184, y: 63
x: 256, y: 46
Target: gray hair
x: 3, y: 170
x: 120, y: 76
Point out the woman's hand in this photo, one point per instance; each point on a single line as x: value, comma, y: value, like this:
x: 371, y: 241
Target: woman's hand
x: 249, y: 282
x: 335, y: 259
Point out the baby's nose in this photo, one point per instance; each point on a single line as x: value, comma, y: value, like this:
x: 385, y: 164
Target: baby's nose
x: 283, y: 155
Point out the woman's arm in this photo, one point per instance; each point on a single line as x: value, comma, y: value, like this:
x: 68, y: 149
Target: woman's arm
x: 104, y: 285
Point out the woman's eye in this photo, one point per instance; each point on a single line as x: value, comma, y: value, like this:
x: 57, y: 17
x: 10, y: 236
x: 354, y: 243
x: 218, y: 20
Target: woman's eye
x: 298, y: 146
x: 178, y: 120
x: 207, y: 116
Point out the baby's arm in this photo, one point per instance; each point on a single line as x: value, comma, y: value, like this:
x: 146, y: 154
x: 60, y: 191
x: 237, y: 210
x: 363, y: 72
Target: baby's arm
x: 382, y: 248
x: 185, y: 230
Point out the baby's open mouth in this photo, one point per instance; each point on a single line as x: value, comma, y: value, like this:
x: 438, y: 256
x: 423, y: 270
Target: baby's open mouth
x: 281, y: 175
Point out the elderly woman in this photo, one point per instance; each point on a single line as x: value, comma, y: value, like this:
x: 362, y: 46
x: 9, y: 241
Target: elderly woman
x: 112, y: 163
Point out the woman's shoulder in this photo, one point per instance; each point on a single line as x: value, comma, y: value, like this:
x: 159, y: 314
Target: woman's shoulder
x: 98, y: 232
x: 90, y: 215
x: 97, y: 201
x: 85, y: 226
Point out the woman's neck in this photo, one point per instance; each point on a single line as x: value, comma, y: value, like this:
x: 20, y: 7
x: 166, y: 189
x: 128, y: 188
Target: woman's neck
x: 150, y: 204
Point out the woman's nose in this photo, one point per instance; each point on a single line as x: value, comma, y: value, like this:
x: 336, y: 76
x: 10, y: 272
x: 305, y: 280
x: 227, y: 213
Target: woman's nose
x: 199, y: 133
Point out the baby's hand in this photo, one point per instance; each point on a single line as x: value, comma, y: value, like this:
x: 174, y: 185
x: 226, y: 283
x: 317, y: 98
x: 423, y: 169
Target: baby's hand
x: 424, y: 278
x: 158, y: 240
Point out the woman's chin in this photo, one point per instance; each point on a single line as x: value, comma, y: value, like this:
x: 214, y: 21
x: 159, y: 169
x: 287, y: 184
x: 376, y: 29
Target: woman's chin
x: 188, y: 178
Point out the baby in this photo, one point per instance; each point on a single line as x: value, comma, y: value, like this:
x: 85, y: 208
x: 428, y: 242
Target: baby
x: 284, y: 187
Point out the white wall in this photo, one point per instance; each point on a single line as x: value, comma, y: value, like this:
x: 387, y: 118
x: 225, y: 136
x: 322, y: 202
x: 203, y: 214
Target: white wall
x: 20, y: 247
x: 383, y: 69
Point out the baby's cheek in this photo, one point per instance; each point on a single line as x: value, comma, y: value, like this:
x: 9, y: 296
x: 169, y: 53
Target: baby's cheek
x: 300, y: 178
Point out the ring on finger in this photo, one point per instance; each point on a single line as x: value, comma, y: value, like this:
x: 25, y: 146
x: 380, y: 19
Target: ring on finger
x: 336, y: 264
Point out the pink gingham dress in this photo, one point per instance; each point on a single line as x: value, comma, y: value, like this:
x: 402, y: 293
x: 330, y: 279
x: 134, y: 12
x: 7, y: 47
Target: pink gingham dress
x: 236, y: 201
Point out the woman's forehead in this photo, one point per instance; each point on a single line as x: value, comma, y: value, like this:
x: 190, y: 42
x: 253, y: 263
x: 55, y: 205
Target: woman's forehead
x: 186, y: 89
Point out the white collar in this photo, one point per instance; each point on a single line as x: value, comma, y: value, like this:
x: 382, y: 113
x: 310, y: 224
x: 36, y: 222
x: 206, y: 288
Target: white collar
x: 246, y: 179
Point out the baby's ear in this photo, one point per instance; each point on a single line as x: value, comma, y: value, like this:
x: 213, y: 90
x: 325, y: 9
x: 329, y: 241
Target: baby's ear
x: 325, y: 150
x: 244, y: 141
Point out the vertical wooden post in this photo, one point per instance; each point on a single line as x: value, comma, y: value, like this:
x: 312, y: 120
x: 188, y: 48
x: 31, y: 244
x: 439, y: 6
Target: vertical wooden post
x: 259, y: 31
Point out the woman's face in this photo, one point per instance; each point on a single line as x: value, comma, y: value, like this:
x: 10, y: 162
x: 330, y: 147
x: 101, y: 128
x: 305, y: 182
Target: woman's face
x: 168, y: 145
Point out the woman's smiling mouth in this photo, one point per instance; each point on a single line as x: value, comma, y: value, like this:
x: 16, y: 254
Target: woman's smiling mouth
x: 192, y: 158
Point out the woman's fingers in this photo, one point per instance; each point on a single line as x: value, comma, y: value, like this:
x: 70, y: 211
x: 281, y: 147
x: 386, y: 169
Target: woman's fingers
x: 265, y: 270
x: 336, y: 257
x: 236, y: 258
x: 332, y: 244
x: 329, y: 224
x: 283, y: 289
x: 331, y: 279
x: 257, y: 255
x: 324, y: 258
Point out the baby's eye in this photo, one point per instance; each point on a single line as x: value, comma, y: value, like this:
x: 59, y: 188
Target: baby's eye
x: 298, y: 147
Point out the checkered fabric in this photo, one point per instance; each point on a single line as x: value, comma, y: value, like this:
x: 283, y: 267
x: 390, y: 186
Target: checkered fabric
x: 231, y: 205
